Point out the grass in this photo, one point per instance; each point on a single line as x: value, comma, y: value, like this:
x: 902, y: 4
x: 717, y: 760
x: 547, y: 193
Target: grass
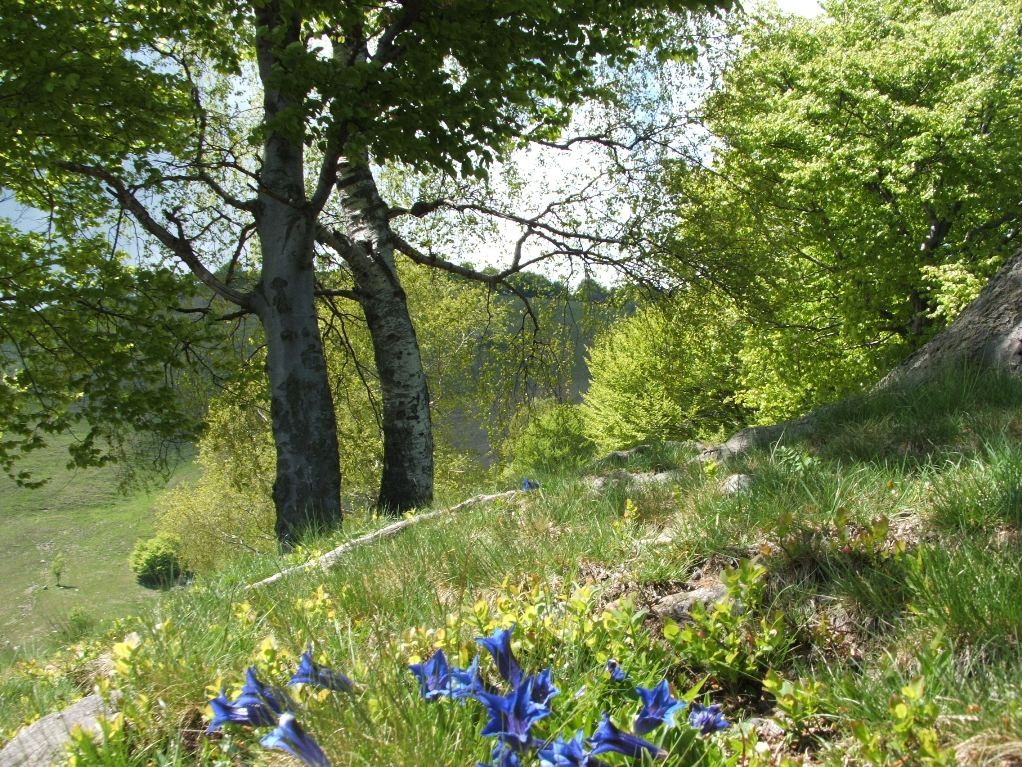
x: 880, y: 585
x: 80, y: 516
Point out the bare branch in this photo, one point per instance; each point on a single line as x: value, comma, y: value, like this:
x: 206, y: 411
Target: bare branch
x: 178, y: 244
x: 491, y: 280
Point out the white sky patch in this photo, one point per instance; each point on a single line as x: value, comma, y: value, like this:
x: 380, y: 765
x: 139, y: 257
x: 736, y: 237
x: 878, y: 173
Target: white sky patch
x: 807, y: 8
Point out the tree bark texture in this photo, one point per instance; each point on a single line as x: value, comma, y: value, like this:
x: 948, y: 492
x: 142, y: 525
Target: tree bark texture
x: 407, y: 480
x: 988, y: 332
x: 306, y: 490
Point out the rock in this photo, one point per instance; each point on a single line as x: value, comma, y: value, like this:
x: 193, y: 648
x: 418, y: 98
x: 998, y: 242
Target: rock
x: 648, y: 479
x: 43, y: 742
x: 678, y: 606
x: 736, y: 484
x: 666, y: 537
x: 766, y: 729
x: 639, y: 479
x: 619, y: 457
x: 602, y: 482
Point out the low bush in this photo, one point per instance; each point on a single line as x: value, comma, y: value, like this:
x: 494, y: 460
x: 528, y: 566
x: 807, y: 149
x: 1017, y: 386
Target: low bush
x: 155, y: 561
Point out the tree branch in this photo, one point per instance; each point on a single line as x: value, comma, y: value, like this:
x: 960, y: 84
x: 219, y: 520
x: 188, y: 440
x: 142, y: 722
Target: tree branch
x: 179, y: 244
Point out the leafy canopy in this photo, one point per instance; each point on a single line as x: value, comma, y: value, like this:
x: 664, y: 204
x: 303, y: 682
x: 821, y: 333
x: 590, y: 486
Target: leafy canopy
x: 863, y: 186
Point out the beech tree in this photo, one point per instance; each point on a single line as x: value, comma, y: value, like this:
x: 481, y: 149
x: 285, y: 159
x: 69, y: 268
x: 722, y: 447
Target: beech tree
x: 240, y: 136
x: 863, y: 187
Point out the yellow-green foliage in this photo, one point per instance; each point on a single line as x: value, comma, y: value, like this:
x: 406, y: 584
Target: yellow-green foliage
x: 547, y: 437
x: 667, y: 372
x: 784, y: 373
x: 155, y: 561
x: 228, y: 510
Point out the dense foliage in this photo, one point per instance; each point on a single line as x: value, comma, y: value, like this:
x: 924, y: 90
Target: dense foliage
x: 665, y: 373
x: 155, y: 561
x: 862, y: 185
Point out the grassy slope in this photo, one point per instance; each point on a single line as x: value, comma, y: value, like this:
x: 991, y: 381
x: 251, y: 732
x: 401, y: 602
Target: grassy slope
x: 78, y: 514
x: 890, y: 550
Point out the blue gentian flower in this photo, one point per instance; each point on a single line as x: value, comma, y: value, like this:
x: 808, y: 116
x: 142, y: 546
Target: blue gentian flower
x: 616, y: 672
x: 530, y: 484
x: 512, y: 715
x: 254, y: 693
x: 707, y: 719
x: 434, y: 676
x: 499, y: 646
x: 502, y: 756
x: 318, y: 676
x: 257, y: 706
x: 543, y: 687
x: 288, y: 736
x: 568, y: 753
x: 609, y: 739
x: 226, y: 712
x: 465, y: 683
x: 438, y: 680
x: 658, y: 707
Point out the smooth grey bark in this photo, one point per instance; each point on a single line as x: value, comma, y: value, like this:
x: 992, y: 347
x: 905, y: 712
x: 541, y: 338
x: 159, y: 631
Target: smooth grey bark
x: 407, y: 479
x: 988, y: 332
x: 306, y: 490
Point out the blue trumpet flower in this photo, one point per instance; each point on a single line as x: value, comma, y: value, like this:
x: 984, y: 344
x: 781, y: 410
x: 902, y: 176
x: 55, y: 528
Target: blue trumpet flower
x: 568, y: 753
x: 438, y: 680
x: 609, y: 739
x: 257, y: 706
x: 499, y: 646
x: 615, y: 671
x: 502, y: 756
x: 658, y: 707
x: 512, y: 715
x: 707, y: 719
x: 543, y: 687
x: 288, y: 736
x: 319, y: 676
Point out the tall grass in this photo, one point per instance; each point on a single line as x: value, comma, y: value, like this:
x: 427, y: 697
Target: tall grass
x: 889, y: 540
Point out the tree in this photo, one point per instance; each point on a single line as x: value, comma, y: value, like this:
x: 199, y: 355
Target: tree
x: 85, y: 339
x: 137, y: 103
x: 863, y: 187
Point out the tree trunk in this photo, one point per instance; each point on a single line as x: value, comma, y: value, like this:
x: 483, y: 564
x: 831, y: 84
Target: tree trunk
x: 306, y: 490
x: 988, y: 332
x: 407, y: 480
x: 307, y: 487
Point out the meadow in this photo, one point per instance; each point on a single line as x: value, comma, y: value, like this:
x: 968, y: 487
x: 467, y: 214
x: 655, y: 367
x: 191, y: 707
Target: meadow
x: 81, y: 517
x: 868, y: 612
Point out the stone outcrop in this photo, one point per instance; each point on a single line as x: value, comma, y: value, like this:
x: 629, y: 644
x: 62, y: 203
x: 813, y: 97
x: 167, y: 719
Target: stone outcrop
x: 43, y: 742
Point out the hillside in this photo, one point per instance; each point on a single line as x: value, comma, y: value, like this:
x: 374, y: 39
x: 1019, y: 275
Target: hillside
x: 854, y: 602
x: 80, y: 516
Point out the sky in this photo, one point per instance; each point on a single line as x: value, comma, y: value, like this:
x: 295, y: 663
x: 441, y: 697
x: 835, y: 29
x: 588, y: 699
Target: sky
x: 801, y: 7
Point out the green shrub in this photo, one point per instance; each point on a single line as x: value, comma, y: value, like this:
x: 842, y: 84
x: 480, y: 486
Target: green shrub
x: 666, y: 373
x: 155, y: 561
x: 547, y: 437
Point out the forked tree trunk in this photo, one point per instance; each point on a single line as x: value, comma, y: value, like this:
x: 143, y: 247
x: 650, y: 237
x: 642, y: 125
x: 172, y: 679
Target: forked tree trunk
x: 306, y: 490
x: 407, y: 480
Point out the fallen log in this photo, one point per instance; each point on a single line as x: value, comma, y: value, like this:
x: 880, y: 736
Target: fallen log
x: 328, y: 560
